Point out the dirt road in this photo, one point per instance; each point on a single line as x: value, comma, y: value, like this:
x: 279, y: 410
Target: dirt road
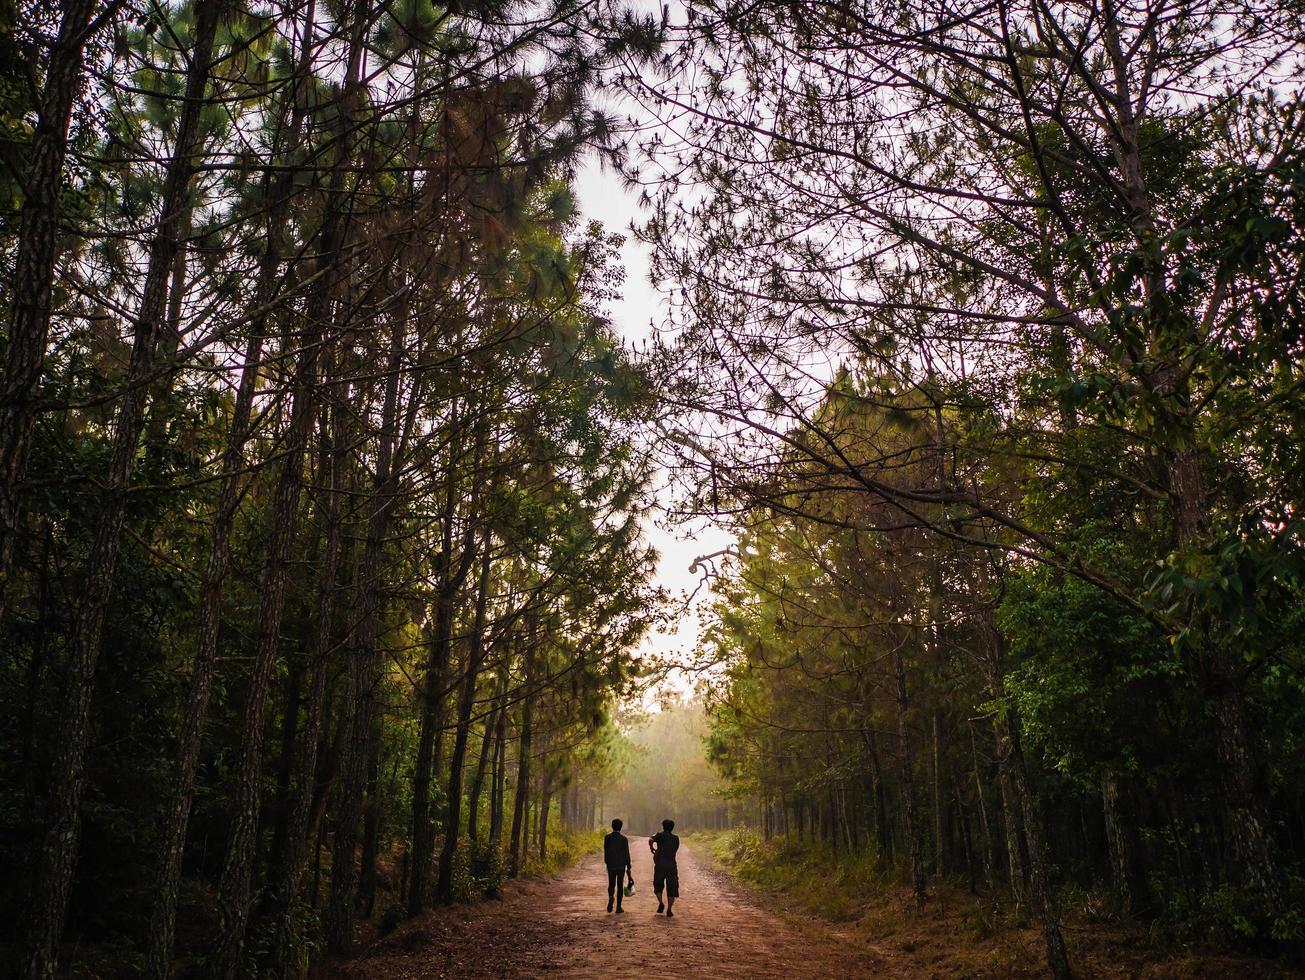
x: 560, y: 928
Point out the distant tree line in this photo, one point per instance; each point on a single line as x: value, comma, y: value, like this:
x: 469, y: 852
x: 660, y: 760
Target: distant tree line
x: 666, y: 773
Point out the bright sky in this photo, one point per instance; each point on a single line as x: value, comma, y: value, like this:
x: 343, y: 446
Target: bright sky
x: 603, y: 198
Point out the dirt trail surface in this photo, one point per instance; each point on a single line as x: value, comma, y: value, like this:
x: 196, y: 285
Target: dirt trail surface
x: 560, y: 928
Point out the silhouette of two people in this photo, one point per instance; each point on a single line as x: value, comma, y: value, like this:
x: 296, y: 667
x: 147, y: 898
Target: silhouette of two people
x: 665, y: 873
x: 616, y: 855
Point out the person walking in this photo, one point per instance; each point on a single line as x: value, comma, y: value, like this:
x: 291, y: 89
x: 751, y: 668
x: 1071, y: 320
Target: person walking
x: 665, y: 873
x: 616, y: 855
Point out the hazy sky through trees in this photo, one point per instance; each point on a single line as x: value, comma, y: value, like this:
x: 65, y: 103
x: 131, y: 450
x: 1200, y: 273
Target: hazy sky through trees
x: 640, y: 312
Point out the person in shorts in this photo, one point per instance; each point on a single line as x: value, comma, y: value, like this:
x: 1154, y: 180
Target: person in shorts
x: 665, y: 873
x: 616, y: 855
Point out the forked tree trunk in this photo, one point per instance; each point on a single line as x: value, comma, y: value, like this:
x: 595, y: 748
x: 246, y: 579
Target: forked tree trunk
x: 237, y: 870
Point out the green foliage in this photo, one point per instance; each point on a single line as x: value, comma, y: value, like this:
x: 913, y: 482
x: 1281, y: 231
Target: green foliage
x: 565, y: 848
x: 820, y: 883
x: 488, y: 868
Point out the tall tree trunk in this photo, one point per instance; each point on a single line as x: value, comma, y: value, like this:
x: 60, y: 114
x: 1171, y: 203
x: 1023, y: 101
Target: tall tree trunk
x: 1010, y: 811
x: 429, y: 737
x: 31, y: 286
x: 478, y: 781
x: 366, y: 901
x: 963, y: 822
x: 1127, y: 877
x: 237, y: 870
x: 523, y: 774
x: 450, y: 575
x: 292, y: 698
x: 545, y: 805
x: 1011, y: 762
x: 940, y: 834
x: 499, y: 779
x: 467, y: 702
x: 289, y: 877
x: 989, y: 843
x: 1039, y: 876
x: 59, y: 852
x: 365, y: 664
x: 883, y: 830
x: 168, y: 880
x: 1255, y: 864
x: 913, y: 831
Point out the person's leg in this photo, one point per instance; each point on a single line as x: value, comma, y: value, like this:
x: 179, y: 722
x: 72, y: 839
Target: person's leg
x: 672, y: 891
x: 658, y: 882
x: 613, y: 885
x: 620, y: 888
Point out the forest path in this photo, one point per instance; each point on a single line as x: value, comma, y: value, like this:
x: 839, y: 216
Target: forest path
x: 559, y: 928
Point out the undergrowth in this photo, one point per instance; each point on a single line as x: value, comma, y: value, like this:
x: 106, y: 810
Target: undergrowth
x: 959, y: 933
x: 813, y: 878
x: 565, y: 848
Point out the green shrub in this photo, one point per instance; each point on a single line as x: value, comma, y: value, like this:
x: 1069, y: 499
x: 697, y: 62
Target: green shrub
x: 740, y: 847
x: 488, y: 869
x: 565, y: 848
x: 1228, y: 917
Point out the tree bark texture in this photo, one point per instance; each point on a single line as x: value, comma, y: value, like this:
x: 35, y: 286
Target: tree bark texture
x: 33, y: 274
x: 466, y: 704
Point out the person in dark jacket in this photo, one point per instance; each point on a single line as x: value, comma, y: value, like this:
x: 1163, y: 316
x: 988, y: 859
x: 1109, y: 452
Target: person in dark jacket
x: 616, y: 855
x: 665, y: 872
